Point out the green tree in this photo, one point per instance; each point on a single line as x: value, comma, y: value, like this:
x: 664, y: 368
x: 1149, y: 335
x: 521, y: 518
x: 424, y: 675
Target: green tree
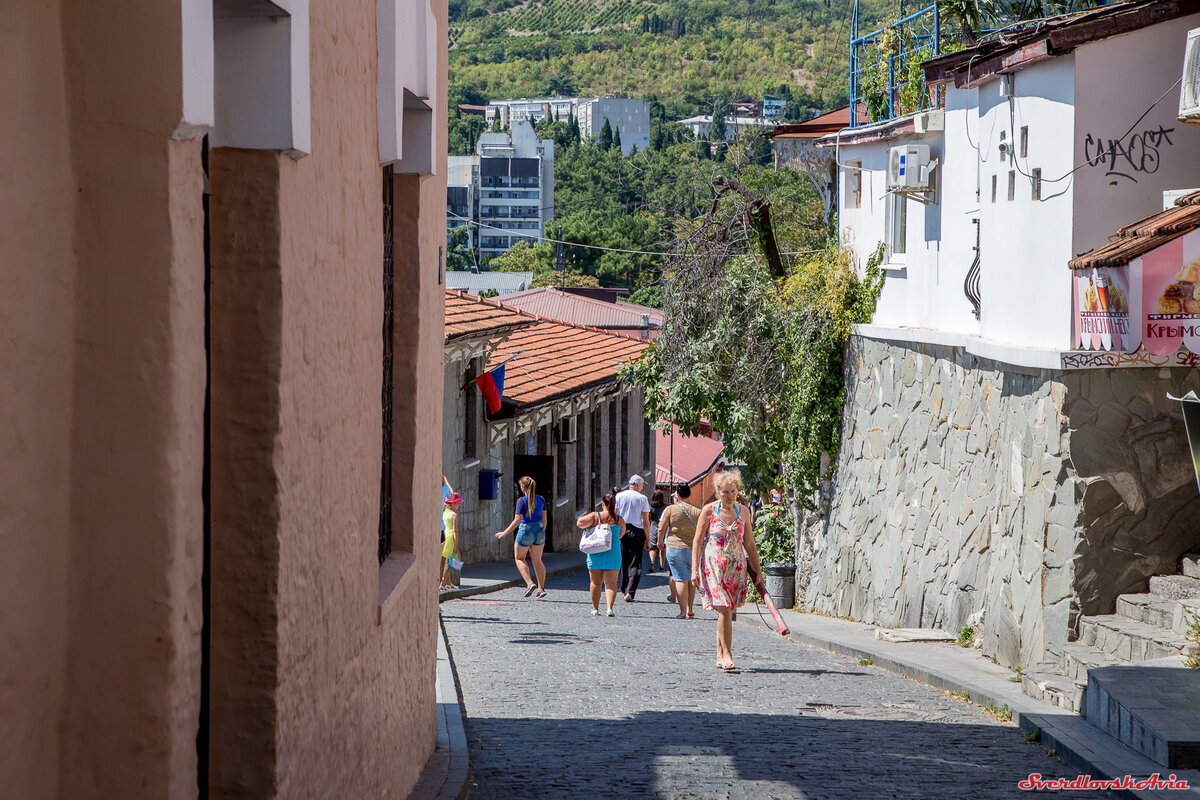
x: 617, y: 137
x: 606, y: 136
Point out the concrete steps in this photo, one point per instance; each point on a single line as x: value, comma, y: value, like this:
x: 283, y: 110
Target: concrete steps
x: 1124, y: 673
x: 1129, y: 640
x: 1049, y: 683
x: 1153, y: 708
x: 1078, y: 658
x: 1153, y: 609
x: 1175, y: 587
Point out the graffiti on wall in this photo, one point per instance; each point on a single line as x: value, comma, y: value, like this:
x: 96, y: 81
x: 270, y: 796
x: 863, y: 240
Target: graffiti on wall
x: 1140, y: 154
x: 1104, y: 359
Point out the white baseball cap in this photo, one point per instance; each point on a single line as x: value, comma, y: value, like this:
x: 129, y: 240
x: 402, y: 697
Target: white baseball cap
x: 635, y: 479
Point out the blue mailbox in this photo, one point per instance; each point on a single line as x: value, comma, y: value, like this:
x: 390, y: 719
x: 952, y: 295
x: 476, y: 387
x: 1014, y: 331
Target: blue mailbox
x: 489, y: 484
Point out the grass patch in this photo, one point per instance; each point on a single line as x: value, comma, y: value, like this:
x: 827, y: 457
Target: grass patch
x: 865, y: 661
x: 966, y: 636
x: 966, y: 698
x: 1002, y: 712
x: 1193, y: 636
x: 1033, y: 735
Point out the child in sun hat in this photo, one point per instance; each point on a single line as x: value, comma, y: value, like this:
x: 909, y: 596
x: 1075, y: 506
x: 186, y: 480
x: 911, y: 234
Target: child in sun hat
x: 450, y: 548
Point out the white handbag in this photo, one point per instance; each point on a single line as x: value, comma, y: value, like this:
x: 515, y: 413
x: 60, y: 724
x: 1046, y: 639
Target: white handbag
x: 597, y: 540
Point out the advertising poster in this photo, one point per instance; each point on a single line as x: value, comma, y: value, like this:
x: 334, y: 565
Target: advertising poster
x: 1170, y: 302
x: 1102, y: 304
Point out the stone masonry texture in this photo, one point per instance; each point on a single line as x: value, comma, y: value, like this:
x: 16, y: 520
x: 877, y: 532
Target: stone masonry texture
x: 1031, y: 496
x: 561, y: 704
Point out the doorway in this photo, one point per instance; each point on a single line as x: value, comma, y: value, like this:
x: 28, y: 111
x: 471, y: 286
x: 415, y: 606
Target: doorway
x: 541, y: 469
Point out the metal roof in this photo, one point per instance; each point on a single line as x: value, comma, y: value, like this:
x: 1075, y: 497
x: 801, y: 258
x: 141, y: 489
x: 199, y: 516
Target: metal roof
x: 693, y: 457
x: 579, y: 310
x: 476, y: 282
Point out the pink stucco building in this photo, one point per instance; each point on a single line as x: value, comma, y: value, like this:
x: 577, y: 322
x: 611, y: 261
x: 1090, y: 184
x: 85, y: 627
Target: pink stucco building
x: 220, y: 480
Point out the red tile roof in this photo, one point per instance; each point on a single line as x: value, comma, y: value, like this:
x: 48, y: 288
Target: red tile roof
x: 468, y: 316
x: 693, y: 458
x: 551, y: 360
x: 580, y: 310
x: 1144, y: 235
x: 831, y: 122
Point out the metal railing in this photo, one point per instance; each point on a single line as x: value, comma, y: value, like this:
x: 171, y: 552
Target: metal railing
x: 885, y: 67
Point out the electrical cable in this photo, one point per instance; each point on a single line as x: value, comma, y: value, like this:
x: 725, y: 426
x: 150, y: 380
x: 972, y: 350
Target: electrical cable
x: 1094, y: 161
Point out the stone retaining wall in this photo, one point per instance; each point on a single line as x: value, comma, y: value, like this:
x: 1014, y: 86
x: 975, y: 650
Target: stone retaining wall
x: 964, y: 485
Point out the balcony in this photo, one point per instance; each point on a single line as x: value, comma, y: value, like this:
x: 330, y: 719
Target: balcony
x: 886, y: 79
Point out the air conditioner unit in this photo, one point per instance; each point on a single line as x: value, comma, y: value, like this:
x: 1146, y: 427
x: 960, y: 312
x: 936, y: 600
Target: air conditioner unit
x: 909, y: 167
x: 1189, y: 89
x: 568, y: 429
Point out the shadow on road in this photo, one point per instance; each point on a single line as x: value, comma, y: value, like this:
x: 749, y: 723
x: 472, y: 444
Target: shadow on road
x: 789, y: 754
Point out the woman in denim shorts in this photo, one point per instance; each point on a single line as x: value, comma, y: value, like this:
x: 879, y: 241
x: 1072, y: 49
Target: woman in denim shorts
x: 530, y: 524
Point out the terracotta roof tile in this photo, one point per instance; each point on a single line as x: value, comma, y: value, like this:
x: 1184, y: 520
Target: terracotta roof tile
x: 468, y: 316
x: 1144, y: 235
x: 552, y: 360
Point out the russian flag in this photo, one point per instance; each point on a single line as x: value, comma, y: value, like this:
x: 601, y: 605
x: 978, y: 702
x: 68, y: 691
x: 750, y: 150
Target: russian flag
x: 492, y: 386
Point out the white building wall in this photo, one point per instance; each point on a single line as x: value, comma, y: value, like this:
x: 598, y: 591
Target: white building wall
x: 1026, y: 243
x: 1116, y: 80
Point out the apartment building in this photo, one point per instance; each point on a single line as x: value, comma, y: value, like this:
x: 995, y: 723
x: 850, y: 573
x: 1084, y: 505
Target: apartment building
x: 630, y: 116
x: 505, y: 191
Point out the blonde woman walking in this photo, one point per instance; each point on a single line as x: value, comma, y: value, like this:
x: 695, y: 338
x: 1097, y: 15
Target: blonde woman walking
x: 722, y: 556
x: 530, y: 523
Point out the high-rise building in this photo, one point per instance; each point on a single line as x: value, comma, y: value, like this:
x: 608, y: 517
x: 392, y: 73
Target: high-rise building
x: 505, y: 190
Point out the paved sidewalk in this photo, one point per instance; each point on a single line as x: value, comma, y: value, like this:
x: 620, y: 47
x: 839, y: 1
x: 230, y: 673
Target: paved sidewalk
x: 946, y: 666
x: 494, y: 576
x: 445, y: 774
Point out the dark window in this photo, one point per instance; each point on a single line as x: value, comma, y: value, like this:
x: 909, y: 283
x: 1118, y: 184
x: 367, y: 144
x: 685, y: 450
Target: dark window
x: 1024, y: 141
x: 646, y: 434
x: 470, y: 412
x: 596, y: 479
x: 581, y: 472
x: 613, y: 460
x: 389, y: 273
x: 1036, y: 184
x: 1012, y: 185
x: 993, y: 188
x: 560, y: 467
x: 626, y: 430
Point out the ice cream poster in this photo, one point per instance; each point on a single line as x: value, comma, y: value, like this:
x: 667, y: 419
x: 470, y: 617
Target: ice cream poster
x: 1102, y: 306
x: 1170, y: 301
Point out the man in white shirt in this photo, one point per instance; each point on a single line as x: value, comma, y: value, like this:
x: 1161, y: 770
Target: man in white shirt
x: 634, y: 508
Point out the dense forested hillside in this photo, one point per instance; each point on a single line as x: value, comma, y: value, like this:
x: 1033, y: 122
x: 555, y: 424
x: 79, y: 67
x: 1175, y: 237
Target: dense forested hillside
x: 687, y: 54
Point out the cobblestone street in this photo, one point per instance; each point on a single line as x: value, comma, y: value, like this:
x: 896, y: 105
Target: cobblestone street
x: 561, y: 704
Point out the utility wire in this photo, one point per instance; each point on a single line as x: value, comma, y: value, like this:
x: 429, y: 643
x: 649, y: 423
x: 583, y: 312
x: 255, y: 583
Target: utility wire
x: 564, y: 243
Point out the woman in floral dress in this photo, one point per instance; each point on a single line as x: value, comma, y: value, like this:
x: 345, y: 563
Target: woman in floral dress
x: 721, y: 557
